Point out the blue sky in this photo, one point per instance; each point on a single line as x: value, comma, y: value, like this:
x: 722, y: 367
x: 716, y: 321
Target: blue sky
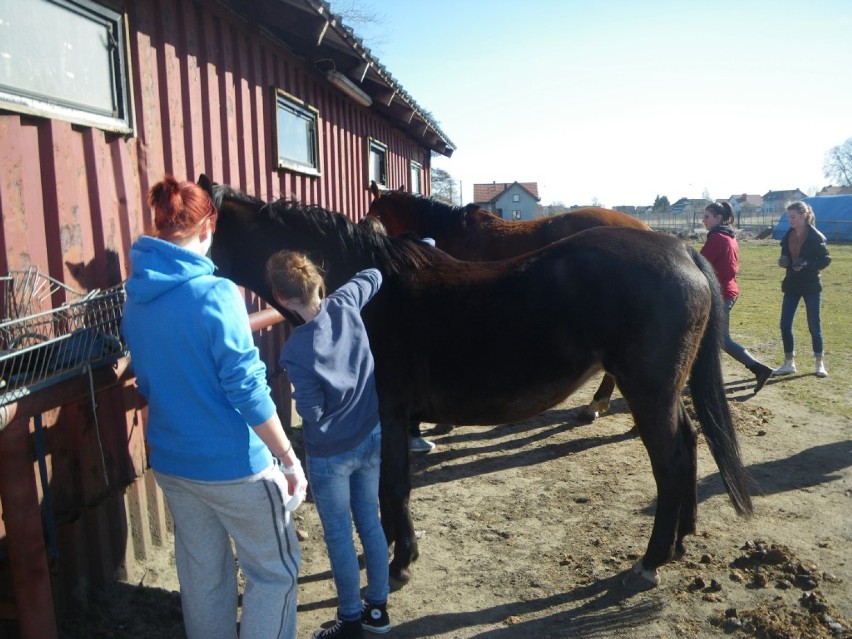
x: 623, y: 100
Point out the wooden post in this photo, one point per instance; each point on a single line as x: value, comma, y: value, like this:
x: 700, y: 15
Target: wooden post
x: 24, y: 532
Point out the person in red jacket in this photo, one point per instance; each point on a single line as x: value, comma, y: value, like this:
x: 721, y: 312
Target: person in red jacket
x: 722, y: 251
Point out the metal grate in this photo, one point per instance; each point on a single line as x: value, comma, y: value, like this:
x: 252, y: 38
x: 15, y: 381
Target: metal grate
x: 40, y: 345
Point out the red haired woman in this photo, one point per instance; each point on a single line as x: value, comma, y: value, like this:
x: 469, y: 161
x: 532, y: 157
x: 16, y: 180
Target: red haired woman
x: 213, y: 430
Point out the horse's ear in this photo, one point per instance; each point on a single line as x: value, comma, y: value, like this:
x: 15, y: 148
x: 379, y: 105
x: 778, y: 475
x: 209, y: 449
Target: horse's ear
x: 206, y: 183
x: 375, y: 190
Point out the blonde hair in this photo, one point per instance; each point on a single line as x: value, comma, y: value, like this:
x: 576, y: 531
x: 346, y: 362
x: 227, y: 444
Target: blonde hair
x: 374, y: 224
x: 803, y: 209
x: 292, y: 275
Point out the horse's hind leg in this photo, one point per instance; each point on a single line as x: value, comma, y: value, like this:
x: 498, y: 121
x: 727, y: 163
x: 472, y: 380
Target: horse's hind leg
x: 672, y: 453
x: 600, y: 401
x: 689, y: 505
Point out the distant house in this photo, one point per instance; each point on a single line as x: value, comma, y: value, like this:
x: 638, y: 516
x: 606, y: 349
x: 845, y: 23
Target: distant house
x: 745, y: 203
x: 777, y: 201
x: 509, y: 200
x: 685, y: 207
x: 835, y: 190
x: 625, y: 208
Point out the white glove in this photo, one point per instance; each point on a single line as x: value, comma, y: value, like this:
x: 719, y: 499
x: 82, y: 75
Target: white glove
x: 297, y: 485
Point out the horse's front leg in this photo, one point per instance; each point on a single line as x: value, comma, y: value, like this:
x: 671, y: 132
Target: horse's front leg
x: 395, y: 489
x: 600, y: 402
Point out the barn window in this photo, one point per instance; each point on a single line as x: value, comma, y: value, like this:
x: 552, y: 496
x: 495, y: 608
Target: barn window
x: 298, y: 135
x: 377, y: 162
x: 416, y: 179
x: 516, y: 197
x: 516, y: 215
x: 67, y: 60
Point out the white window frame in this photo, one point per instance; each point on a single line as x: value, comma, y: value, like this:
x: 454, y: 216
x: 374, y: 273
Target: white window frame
x: 305, y: 121
x: 416, y: 177
x: 54, y: 75
x: 516, y: 214
x: 516, y: 197
x: 380, y: 151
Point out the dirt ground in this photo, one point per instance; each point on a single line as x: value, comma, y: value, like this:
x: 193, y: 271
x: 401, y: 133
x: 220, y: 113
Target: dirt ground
x: 525, y: 530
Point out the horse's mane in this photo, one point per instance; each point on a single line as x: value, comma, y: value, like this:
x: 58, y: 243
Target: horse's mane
x: 220, y: 191
x: 391, y: 255
x: 441, y: 216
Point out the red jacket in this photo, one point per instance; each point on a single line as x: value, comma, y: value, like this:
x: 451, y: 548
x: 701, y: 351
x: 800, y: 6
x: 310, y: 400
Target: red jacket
x: 722, y: 251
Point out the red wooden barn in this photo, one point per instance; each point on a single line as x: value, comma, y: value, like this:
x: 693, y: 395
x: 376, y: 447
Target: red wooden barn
x: 98, y: 100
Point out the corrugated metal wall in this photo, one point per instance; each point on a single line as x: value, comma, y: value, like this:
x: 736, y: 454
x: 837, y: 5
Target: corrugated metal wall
x: 72, y: 202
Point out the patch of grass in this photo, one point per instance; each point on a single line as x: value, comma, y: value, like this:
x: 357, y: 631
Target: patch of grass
x: 756, y: 315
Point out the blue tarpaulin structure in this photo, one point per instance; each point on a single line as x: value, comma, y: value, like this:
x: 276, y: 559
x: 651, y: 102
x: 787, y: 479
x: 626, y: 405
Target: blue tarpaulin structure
x: 833, y: 218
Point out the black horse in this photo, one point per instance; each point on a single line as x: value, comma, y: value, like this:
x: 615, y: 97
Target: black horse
x: 498, y: 342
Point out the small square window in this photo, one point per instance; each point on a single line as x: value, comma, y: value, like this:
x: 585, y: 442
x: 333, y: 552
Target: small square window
x: 377, y: 163
x: 516, y: 197
x: 65, y: 59
x: 297, y: 135
x: 416, y: 178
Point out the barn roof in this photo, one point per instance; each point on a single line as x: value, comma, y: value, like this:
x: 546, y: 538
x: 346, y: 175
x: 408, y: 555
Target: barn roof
x: 313, y: 32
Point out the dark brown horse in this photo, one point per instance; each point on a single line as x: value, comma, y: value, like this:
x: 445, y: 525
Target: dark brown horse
x: 476, y: 235
x: 494, y: 343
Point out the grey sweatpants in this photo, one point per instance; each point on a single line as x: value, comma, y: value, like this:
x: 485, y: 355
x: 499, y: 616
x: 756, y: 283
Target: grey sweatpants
x: 249, y: 510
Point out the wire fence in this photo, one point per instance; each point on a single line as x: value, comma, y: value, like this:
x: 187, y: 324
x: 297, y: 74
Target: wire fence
x: 757, y: 224
x: 41, y: 345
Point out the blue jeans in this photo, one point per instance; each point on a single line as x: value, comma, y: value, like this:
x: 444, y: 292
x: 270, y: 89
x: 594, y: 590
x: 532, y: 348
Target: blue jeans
x: 788, y: 312
x: 733, y: 349
x: 346, y: 487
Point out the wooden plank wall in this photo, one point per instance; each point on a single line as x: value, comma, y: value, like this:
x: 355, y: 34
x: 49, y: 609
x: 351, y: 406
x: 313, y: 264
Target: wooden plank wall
x: 72, y: 202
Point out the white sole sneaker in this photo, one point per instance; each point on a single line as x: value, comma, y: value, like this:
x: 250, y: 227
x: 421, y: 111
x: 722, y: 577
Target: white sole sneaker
x: 784, y: 370
x: 420, y: 445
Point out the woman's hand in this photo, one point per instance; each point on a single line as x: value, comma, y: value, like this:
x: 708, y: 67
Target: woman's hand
x: 297, y: 485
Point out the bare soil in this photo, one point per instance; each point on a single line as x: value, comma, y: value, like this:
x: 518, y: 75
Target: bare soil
x: 527, y: 529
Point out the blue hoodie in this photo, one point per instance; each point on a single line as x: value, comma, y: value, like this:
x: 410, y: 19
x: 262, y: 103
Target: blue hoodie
x: 196, y: 363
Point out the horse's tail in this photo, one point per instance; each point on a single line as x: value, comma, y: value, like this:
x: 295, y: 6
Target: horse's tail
x: 711, y: 404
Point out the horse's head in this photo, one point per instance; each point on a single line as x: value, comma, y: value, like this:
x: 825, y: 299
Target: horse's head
x: 399, y: 212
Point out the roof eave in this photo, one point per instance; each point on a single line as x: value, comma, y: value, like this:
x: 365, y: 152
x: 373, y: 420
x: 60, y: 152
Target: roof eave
x: 312, y: 31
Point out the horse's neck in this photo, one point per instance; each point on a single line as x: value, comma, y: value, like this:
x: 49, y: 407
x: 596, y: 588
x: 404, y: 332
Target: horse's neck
x: 484, y: 219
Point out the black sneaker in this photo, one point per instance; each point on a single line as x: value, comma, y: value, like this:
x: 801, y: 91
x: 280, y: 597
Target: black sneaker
x: 374, y: 618
x: 341, y: 630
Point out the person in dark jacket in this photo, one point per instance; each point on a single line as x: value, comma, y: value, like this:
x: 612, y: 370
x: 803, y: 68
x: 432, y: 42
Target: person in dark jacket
x: 804, y: 254
x: 722, y: 251
x: 332, y: 370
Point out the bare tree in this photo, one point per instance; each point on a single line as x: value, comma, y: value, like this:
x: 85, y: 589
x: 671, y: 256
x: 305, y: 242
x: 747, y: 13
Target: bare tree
x: 838, y: 164
x: 443, y: 186
x: 368, y: 25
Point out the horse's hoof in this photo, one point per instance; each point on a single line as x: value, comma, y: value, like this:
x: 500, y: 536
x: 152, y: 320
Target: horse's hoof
x: 588, y: 415
x: 679, y: 550
x: 640, y: 578
x: 399, y: 578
